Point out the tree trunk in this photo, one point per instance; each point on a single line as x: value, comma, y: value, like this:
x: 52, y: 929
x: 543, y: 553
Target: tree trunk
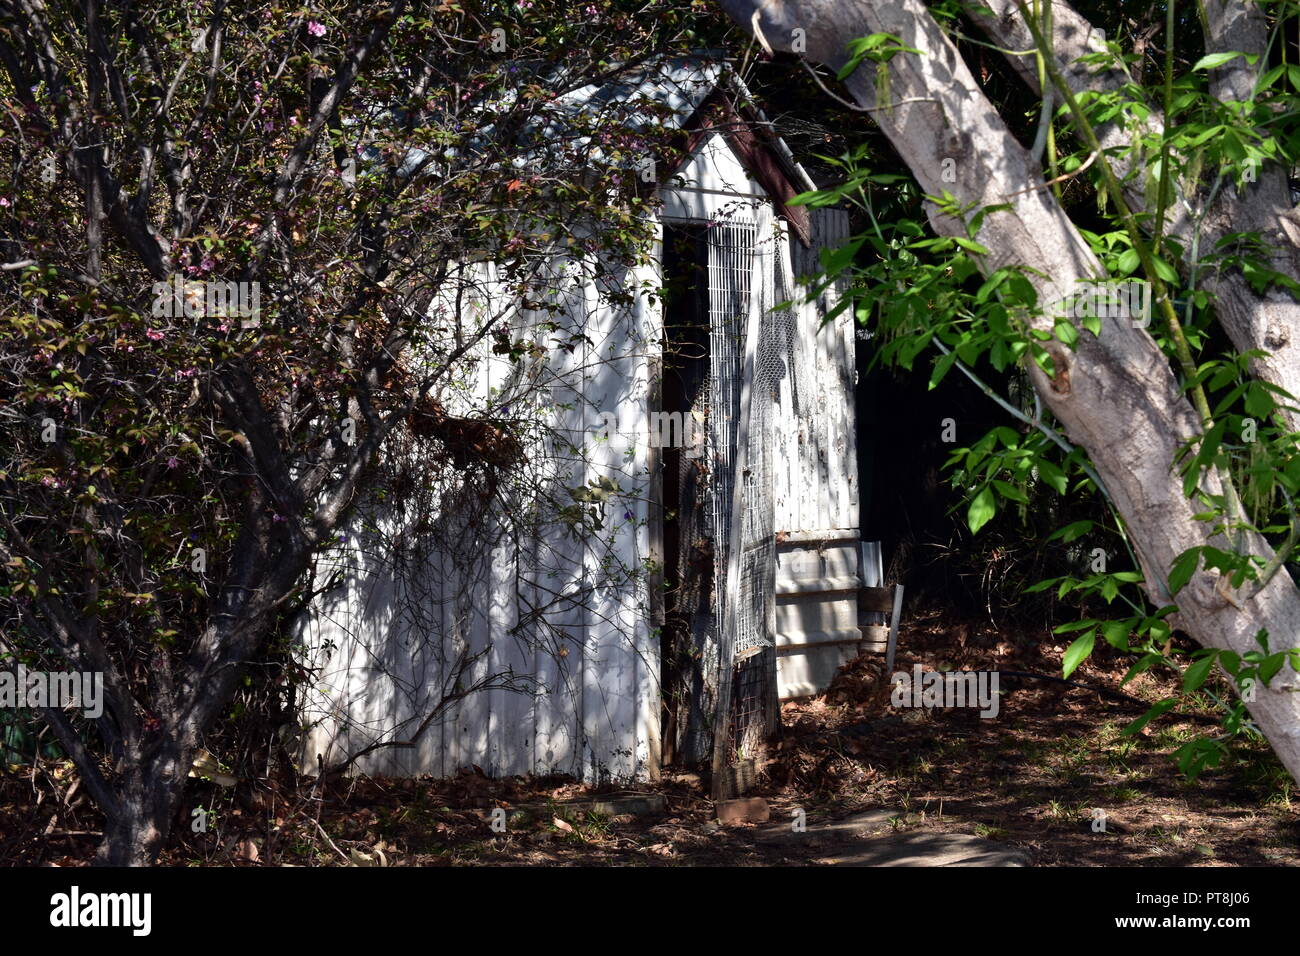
x: 1253, y: 322
x: 149, y: 794
x: 1116, y: 395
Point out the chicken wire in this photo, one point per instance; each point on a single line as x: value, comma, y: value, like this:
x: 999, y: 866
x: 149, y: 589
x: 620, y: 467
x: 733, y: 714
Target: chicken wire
x: 730, y: 260
x: 741, y: 264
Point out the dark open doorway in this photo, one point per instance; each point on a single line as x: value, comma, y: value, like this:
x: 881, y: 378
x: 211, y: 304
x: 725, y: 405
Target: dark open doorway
x: 688, y: 662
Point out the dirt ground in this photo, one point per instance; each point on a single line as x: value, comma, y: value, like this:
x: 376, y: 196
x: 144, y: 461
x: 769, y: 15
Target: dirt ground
x: 1030, y: 779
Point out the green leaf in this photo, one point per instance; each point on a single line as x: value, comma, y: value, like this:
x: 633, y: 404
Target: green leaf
x: 1258, y: 402
x: 1143, y: 663
x: 1109, y: 588
x: 1164, y: 270
x: 941, y: 366
x: 1041, y: 586
x: 990, y: 286
x: 1197, y: 672
x: 1078, y: 652
x: 1010, y: 491
x: 1067, y: 333
x: 1150, y: 715
x: 970, y: 245
x: 1184, y: 567
x: 1052, y: 476
x: 982, y: 508
x: 1270, y: 665
x: 1073, y: 530
x: 1116, y: 634
x: 1071, y: 626
x: 1211, y: 60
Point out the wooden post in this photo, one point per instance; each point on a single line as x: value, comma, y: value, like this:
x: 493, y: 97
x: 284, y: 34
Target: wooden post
x: 893, y: 631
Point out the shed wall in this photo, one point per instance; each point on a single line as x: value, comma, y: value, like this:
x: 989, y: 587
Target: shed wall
x: 556, y: 627
x: 553, y: 627
x: 816, y: 480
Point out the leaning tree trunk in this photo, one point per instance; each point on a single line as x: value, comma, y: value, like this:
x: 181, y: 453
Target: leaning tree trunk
x: 1270, y: 322
x: 1115, y: 395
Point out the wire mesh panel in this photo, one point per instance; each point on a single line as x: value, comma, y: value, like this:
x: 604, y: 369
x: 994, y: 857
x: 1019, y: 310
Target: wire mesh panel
x: 755, y: 714
x: 731, y: 256
x: 735, y: 262
x: 743, y: 494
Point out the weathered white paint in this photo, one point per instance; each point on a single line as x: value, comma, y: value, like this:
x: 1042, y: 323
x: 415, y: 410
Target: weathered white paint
x: 593, y: 710
x: 817, y: 510
x: 712, y: 180
x: 590, y: 656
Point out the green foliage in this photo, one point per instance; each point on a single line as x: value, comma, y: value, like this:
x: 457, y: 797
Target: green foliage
x: 921, y: 294
x: 169, y: 477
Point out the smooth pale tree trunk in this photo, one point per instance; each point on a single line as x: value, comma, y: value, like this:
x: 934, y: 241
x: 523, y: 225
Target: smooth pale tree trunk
x: 1269, y: 322
x: 1116, y: 395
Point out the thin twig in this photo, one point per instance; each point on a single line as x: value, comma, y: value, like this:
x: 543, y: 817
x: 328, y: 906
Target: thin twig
x: 847, y: 104
x: 1059, y: 179
x: 345, y: 857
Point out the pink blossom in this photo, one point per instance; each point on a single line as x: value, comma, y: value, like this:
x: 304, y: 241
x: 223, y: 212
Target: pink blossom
x: 4, y: 200
x: 154, y: 335
x: 316, y: 29
x: 173, y: 461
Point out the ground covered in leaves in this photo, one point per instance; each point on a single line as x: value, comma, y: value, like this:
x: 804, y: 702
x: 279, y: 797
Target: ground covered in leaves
x: 1031, y: 779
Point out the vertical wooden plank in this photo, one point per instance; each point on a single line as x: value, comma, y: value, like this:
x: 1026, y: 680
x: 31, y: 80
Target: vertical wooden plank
x: 813, y: 423
x: 841, y: 398
x: 609, y: 662
x: 439, y: 735
x: 784, y: 423
x: 849, y: 325
x: 509, y: 741
x: 892, y: 644
x: 813, y: 411
x: 560, y: 581
x: 826, y: 391
x: 758, y: 302
x: 373, y: 674
x: 475, y: 568
x: 509, y: 738
x: 649, y: 514
x: 847, y: 377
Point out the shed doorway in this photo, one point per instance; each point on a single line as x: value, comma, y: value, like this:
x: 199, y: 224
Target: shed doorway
x: 708, y: 271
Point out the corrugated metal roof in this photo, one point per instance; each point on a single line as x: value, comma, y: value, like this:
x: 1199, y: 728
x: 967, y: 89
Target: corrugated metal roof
x: 671, y: 90
x: 679, y: 83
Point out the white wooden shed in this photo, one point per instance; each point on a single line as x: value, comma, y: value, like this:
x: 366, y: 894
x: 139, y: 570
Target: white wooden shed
x: 563, y: 632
